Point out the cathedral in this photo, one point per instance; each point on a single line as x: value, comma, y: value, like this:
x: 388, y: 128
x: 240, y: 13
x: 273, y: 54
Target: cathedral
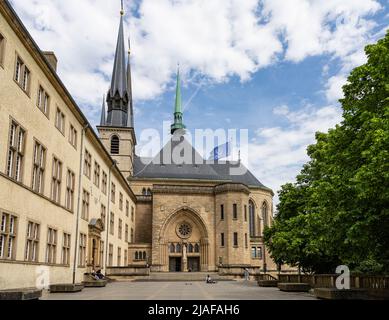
x: 90, y: 202
x: 191, y: 215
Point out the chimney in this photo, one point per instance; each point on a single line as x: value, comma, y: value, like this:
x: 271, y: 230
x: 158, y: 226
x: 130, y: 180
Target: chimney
x: 51, y: 58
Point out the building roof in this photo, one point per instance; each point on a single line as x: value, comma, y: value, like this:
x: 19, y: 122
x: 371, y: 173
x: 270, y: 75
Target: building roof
x: 191, y: 166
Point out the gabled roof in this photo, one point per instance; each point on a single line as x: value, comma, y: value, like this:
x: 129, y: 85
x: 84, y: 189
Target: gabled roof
x: 187, y: 168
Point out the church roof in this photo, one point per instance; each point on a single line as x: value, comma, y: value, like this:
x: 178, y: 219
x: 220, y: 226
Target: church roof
x: 161, y: 168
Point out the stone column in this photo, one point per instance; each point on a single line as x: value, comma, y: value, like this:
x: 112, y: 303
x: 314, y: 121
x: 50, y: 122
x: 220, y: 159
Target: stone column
x: 184, y: 258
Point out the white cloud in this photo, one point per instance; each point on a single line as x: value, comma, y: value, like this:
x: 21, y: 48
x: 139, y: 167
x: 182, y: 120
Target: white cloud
x: 216, y: 39
x: 277, y: 154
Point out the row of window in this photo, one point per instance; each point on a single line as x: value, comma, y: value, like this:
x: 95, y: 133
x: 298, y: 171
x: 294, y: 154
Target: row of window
x: 177, y: 248
x: 22, y: 76
x: 104, y: 183
x: 9, y: 233
x: 140, y: 256
x: 119, y: 256
x: 120, y: 226
x: 8, y: 237
x: 252, y: 223
x: 15, y: 161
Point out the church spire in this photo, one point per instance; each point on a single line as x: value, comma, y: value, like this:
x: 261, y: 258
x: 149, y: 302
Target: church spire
x: 102, y: 120
x: 177, y: 125
x: 130, y: 122
x: 118, y: 96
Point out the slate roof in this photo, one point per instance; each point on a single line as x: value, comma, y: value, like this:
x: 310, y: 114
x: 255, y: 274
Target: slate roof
x: 161, y: 168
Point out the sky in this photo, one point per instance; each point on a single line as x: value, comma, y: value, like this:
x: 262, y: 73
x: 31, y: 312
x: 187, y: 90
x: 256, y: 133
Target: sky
x: 273, y: 67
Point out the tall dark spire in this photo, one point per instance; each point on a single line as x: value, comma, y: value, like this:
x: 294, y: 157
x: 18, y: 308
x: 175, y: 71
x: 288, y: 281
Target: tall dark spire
x: 102, y: 120
x: 118, y: 95
x: 130, y: 122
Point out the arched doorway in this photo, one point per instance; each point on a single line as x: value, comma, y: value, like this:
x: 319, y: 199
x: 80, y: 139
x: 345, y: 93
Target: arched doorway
x: 186, y: 241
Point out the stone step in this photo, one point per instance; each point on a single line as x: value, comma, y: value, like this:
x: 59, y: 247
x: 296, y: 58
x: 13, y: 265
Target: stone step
x: 21, y: 294
x: 183, y: 276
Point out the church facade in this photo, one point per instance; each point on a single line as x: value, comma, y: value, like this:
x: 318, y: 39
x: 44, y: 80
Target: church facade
x: 73, y: 200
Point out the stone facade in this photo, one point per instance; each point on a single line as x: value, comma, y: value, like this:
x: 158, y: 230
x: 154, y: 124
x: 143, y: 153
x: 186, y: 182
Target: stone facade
x: 116, y: 219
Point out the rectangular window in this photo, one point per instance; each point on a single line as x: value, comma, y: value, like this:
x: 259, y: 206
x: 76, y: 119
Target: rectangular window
x: 113, y: 192
x: 119, y: 257
x: 15, y: 152
x: 235, y: 239
x: 22, y: 74
x: 73, y: 136
x: 222, y: 212
x: 60, y: 121
x: 235, y: 211
x: 82, y: 250
x: 245, y: 213
x: 103, y: 214
x: 222, y: 239
x: 112, y: 223
x: 246, y: 242
x: 39, y: 164
x: 85, y: 205
x: 56, y: 181
x: 126, y: 233
x: 66, y: 249
x: 110, y: 255
x: 101, y: 253
x: 32, y: 242
x: 70, y: 185
x: 2, y: 49
x: 256, y: 253
x: 87, y: 164
x: 120, y: 228
x: 51, y: 249
x: 132, y: 214
x: 104, y: 183
x: 120, y: 201
x: 96, y: 176
x: 125, y: 263
x: 43, y: 102
x: 127, y: 208
x: 7, y: 236
x: 132, y: 235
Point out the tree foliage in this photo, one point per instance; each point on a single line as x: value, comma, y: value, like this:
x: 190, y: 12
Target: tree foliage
x: 337, y: 212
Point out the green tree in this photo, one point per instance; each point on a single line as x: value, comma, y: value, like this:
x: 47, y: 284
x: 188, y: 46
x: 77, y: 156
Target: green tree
x: 337, y: 212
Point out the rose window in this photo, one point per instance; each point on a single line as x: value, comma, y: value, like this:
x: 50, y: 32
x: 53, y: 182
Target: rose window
x: 184, y: 230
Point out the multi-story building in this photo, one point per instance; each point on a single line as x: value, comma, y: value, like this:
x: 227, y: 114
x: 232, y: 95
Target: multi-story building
x: 72, y: 201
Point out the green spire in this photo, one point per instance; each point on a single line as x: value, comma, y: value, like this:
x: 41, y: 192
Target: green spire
x: 177, y: 125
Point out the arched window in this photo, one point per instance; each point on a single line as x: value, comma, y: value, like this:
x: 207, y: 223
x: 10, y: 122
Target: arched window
x: 144, y: 255
x: 252, y: 218
x: 172, y: 248
x: 136, y: 255
x: 197, y: 248
x: 144, y: 192
x: 265, y: 215
x: 190, y: 248
x: 178, y: 248
x: 115, y: 142
x: 149, y: 192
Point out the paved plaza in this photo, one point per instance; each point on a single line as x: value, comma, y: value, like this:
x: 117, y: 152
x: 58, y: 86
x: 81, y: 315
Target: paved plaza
x: 225, y: 290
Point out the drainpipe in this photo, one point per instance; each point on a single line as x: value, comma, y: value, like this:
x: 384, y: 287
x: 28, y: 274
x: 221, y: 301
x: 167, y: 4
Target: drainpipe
x: 108, y: 215
x: 84, y: 129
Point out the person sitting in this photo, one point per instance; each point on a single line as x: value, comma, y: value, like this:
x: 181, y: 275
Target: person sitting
x: 99, y: 275
x: 209, y: 280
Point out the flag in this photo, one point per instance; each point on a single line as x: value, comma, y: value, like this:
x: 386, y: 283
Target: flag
x: 220, y: 152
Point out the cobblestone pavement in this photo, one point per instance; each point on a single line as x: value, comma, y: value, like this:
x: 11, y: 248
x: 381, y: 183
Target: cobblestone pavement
x: 226, y: 290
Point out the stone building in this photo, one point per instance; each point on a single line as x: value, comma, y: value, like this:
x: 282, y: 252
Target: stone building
x: 72, y: 200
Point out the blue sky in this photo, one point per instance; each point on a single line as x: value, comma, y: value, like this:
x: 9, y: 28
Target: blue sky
x: 273, y: 67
